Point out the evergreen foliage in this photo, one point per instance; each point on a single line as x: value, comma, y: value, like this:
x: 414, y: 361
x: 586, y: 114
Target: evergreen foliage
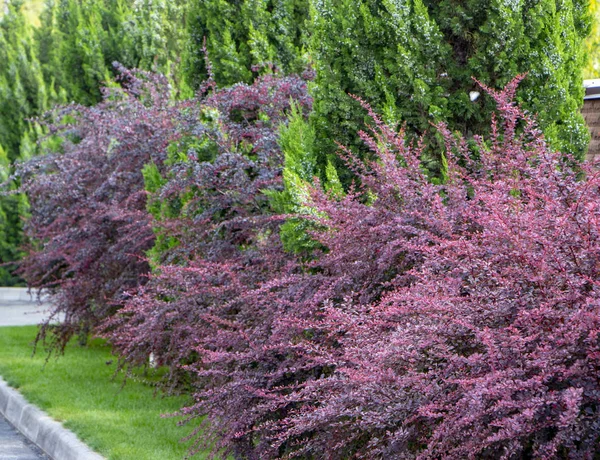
x: 23, y: 93
x: 243, y: 34
x: 297, y: 141
x: 13, y: 209
x: 68, y: 58
x: 414, y: 61
x: 78, y: 41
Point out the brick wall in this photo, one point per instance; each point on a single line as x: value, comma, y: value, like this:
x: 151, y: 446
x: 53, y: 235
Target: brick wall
x: 591, y: 113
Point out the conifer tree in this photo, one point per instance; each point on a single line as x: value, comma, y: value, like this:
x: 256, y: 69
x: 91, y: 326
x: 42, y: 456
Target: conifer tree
x: 158, y: 33
x: 414, y: 60
x: 23, y: 96
x: 48, y: 40
x: 22, y: 89
x: 80, y: 50
x: 12, y: 208
x: 88, y: 36
x: 157, y: 36
x: 119, y: 23
x: 68, y: 58
x: 241, y: 34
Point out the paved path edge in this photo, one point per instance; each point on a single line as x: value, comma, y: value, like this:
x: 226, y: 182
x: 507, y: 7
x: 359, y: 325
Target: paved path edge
x: 20, y: 294
x: 49, y: 435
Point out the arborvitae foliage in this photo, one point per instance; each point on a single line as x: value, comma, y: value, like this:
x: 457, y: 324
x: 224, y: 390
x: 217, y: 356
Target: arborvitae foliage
x: 156, y: 29
x: 297, y: 141
x: 80, y: 57
x: 13, y: 208
x: 89, y: 226
x: 23, y: 93
x: 241, y: 34
x: 48, y: 40
x: 79, y: 40
x: 70, y: 56
x: 414, y: 60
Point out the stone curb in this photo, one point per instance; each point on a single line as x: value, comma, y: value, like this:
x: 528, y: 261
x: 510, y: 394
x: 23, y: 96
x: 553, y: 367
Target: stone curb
x: 49, y: 435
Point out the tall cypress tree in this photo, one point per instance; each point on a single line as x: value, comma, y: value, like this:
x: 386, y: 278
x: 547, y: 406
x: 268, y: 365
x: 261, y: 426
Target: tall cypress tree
x: 48, y: 40
x: 23, y: 92
x: 68, y: 58
x: 157, y: 31
x: 78, y: 48
x: 244, y: 33
x: 23, y: 96
x: 12, y: 209
x: 413, y: 61
x: 79, y: 40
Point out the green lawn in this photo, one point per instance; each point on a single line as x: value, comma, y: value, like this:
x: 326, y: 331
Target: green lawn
x: 77, y: 389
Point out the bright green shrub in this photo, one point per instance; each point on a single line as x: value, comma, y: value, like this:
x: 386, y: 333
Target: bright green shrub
x: 297, y: 141
x: 69, y: 57
x: 23, y: 95
x: 592, y: 44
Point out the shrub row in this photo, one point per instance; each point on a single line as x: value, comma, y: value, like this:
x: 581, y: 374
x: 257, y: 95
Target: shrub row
x: 205, y: 162
x: 419, y: 320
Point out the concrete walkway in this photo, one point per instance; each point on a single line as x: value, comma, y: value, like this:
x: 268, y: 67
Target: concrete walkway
x: 19, y: 308
x: 14, y: 446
